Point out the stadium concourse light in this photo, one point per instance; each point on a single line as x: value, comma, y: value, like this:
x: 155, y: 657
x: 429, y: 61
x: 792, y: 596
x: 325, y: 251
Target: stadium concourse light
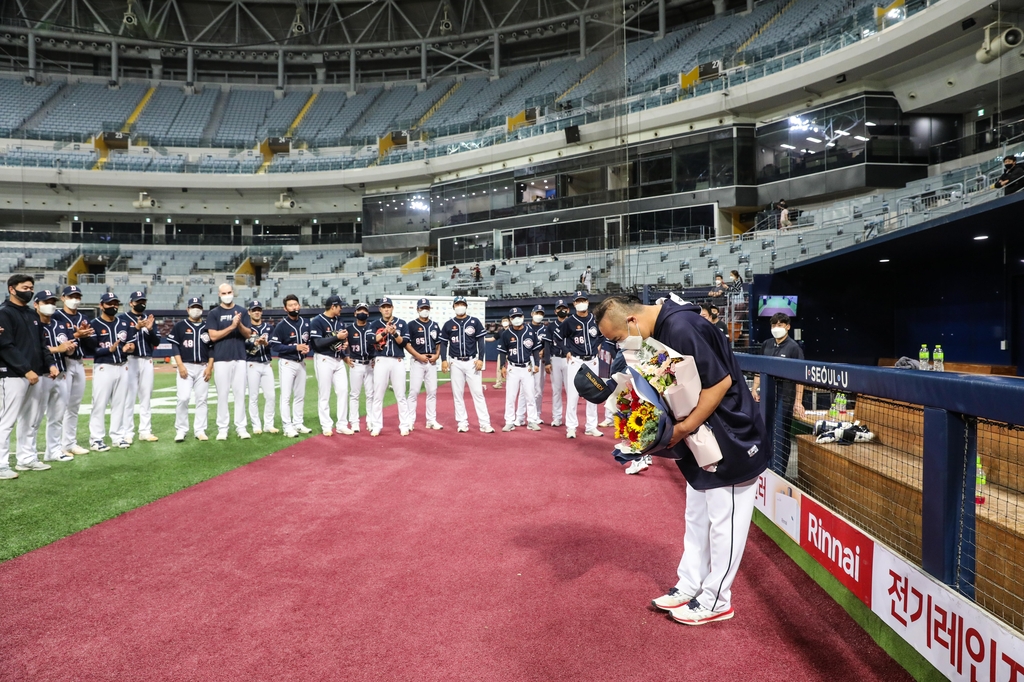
x: 1000, y: 38
x: 144, y: 201
x: 284, y: 201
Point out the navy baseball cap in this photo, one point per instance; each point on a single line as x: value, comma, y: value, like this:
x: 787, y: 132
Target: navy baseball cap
x: 255, y: 304
x: 138, y: 296
x: 46, y: 295
x: 332, y: 300
x: 581, y: 295
x: 459, y: 299
x: 422, y: 303
x: 363, y: 306
x: 538, y: 308
x: 194, y: 301
x: 385, y: 301
x: 108, y: 297
x: 591, y: 387
x: 560, y: 303
x: 512, y: 312
x: 72, y: 290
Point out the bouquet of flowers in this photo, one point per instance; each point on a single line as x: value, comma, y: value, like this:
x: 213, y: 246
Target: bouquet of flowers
x: 642, y: 423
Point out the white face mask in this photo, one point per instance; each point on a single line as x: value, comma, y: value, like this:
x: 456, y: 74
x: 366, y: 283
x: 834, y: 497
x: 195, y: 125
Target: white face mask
x: 779, y: 332
x: 425, y: 314
x: 227, y: 299
x: 538, y: 318
x: 631, y: 342
x: 195, y: 313
x: 517, y: 321
x: 72, y: 303
x: 582, y: 307
x: 47, y: 309
x: 504, y: 324
x: 460, y: 310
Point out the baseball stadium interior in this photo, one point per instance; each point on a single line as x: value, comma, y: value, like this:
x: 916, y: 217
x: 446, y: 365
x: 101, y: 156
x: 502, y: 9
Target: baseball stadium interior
x: 849, y: 165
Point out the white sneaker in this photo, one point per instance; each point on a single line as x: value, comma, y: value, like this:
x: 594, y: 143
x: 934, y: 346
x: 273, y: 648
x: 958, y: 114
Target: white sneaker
x: 508, y: 427
x: 434, y: 426
x: 533, y: 426
x: 99, y: 446
x: 594, y: 432
x: 695, y: 614
x: 328, y: 432
x: 463, y: 429
x: 606, y: 423
x: 638, y: 465
x: 77, y: 449
x: 179, y: 437
x: 257, y: 432
x: 520, y: 423
x: 486, y: 429
x: 557, y: 422
x: 570, y: 434
x: 344, y: 430
x: 125, y: 444
x: 202, y: 436
x: 290, y: 433
x: 304, y: 429
x: 223, y: 435
x: 148, y: 438
x: 60, y: 457
x: 7, y: 474
x: 405, y: 432
x: 130, y: 439
x: 34, y: 466
x: 355, y: 429
x: 375, y: 433
x: 273, y: 430
x: 673, y: 600
x: 244, y: 435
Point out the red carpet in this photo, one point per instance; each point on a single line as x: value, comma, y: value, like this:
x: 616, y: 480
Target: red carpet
x: 440, y: 556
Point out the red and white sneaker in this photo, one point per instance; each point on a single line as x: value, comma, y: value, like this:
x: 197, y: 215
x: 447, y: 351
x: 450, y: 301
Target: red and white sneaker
x: 695, y: 614
x: 673, y: 600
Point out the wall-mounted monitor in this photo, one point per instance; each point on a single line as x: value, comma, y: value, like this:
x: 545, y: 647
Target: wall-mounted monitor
x: 769, y: 305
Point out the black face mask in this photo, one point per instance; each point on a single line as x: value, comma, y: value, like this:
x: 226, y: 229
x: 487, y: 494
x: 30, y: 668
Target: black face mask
x: 110, y: 311
x: 140, y: 308
x: 562, y: 314
x: 23, y: 296
x: 362, y: 317
x: 293, y: 314
x: 1008, y: 167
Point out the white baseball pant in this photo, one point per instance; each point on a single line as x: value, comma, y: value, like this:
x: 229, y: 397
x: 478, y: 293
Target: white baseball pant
x: 573, y: 398
x: 108, y: 388
x: 465, y: 372
x: 12, y: 398
x: 75, y: 376
x: 419, y: 374
x: 55, y: 400
x: 389, y: 371
x: 140, y: 387
x: 293, y: 393
x: 559, y: 372
x: 360, y: 378
x: 260, y: 376
x: 519, y: 383
x: 193, y: 384
x: 538, y: 395
x: 717, y: 522
x: 27, y: 430
x: 331, y: 375
x: 229, y: 377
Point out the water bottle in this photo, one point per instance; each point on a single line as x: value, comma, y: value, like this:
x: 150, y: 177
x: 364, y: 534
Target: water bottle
x: 923, y: 356
x: 841, y: 406
x: 981, y: 481
x: 833, y: 410
x: 938, y: 363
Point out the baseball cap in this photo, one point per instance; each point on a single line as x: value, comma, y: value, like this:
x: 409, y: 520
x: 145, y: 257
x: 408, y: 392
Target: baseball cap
x: 363, y: 306
x: 138, y: 296
x: 255, y: 304
x: 459, y: 299
x: 194, y: 301
x: 581, y: 295
x: 422, y: 303
x: 72, y: 290
x: 538, y: 308
x: 591, y: 387
x: 332, y: 300
x: 108, y: 297
x: 512, y: 312
x: 560, y: 303
x: 45, y: 295
x: 385, y: 301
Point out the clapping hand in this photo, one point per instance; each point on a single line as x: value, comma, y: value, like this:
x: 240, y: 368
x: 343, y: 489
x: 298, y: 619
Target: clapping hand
x: 128, y: 348
x: 67, y: 347
x: 302, y: 348
x: 84, y: 330
x: 236, y: 320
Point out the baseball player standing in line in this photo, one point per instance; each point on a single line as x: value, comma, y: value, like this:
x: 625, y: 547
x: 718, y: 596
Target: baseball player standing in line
x: 361, y: 342
x: 259, y: 371
x: 229, y: 326
x: 554, y: 355
x: 425, y: 349
x: 59, y: 341
x: 290, y: 341
x: 112, y: 343
x: 519, y: 357
x: 462, y: 352
x: 74, y: 372
x: 27, y: 431
x: 391, y: 335
x: 140, y: 369
x: 580, y: 339
x: 329, y: 339
x: 539, y: 329
x: 194, y: 362
x: 19, y: 358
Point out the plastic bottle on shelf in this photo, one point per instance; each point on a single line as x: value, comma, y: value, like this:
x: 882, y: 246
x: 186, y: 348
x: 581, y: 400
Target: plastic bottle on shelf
x: 841, y: 407
x: 981, y: 481
x: 938, y: 362
x: 833, y: 410
x: 923, y: 357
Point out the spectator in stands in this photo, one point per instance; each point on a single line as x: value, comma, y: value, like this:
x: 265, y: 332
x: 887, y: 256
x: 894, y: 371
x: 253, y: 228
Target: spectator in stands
x: 713, y: 318
x: 478, y: 276
x: 784, y: 219
x: 705, y: 312
x: 1012, y: 178
x: 735, y: 284
x: 587, y: 279
x: 790, y: 396
x: 455, y: 271
x: 720, y: 287
x: 494, y: 268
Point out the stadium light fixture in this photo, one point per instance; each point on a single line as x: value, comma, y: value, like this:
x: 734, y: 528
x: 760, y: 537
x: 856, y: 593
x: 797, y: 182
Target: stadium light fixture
x: 814, y: 140
x: 981, y: 238
x: 883, y: 260
x: 787, y: 146
x: 860, y: 137
x: 870, y: 123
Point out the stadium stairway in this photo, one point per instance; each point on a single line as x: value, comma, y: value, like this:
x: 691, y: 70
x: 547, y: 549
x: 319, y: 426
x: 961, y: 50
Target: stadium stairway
x: 127, y: 127
x: 761, y: 29
x: 437, y: 105
x: 588, y: 75
x: 215, y: 118
x: 43, y: 111
x: 302, y: 114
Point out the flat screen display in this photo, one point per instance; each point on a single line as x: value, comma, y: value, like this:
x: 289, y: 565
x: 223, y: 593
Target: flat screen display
x: 769, y: 305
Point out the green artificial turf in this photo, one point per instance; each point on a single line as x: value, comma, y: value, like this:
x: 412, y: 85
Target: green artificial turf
x: 42, y: 506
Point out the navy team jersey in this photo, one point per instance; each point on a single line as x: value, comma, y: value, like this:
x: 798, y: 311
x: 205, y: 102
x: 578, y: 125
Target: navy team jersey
x: 579, y: 336
x: 424, y: 336
x: 260, y: 354
x: 72, y: 322
x: 54, y: 334
x: 323, y: 332
x: 736, y: 421
x: 361, y: 342
x: 520, y: 346
x: 541, y: 332
x: 462, y: 338
x: 387, y: 348
x: 191, y: 341
x: 552, y: 344
x: 232, y: 346
x: 108, y: 333
x: 287, y: 335
x: 146, y: 340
